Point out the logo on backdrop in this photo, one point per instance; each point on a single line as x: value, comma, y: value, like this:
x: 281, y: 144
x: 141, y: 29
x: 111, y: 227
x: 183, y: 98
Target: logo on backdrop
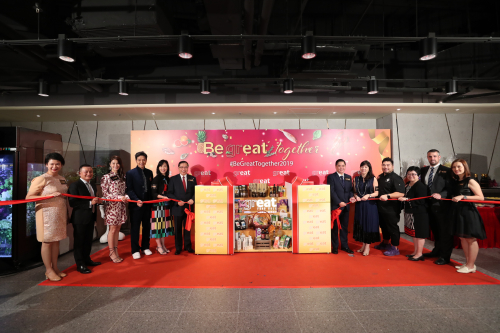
x: 241, y: 173
x: 202, y: 173
x: 320, y: 173
x: 281, y: 173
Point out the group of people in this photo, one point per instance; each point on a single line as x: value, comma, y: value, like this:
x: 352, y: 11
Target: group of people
x: 134, y: 188
x: 446, y: 218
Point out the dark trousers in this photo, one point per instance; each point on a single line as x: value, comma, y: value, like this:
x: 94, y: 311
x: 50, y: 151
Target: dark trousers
x: 83, y: 236
x: 138, y: 216
x: 443, y: 239
x: 344, y: 223
x: 180, y: 226
x: 389, y: 224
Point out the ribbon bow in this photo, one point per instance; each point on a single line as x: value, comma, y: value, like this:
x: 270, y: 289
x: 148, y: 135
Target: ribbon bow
x: 335, y: 216
x: 189, y: 218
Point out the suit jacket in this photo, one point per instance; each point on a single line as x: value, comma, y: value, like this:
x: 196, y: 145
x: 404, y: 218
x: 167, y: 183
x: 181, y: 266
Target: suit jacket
x: 418, y: 190
x: 82, y: 212
x: 175, y: 190
x: 440, y: 184
x: 339, y: 191
x: 135, y: 185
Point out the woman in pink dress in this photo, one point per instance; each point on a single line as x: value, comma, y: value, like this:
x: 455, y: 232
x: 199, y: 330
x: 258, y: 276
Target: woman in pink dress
x: 113, y: 187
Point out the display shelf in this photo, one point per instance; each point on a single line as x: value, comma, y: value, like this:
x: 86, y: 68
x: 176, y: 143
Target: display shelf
x: 264, y: 250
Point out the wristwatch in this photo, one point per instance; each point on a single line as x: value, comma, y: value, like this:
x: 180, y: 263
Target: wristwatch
x: 465, y: 197
x: 388, y: 196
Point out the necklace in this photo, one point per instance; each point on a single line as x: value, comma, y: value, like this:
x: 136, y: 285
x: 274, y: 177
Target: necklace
x: 357, y: 186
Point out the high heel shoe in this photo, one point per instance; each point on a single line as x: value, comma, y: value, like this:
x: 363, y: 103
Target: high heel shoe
x: 116, y: 260
x: 61, y: 274
x: 53, y: 280
x: 466, y: 270
x: 158, y: 251
x: 116, y: 251
x: 360, y: 250
x: 421, y: 258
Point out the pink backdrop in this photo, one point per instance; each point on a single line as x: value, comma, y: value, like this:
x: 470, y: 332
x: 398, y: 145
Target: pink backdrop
x: 286, y: 153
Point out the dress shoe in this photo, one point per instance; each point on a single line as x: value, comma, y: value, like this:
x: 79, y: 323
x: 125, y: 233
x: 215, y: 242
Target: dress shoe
x: 83, y: 269
x: 441, y: 261
x: 177, y: 253
x: 92, y: 263
x: 348, y: 250
x: 190, y: 251
x: 335, y: 251
x: 58, y: 278
x: 431, y: 254
x: 466, y: 270
x: 460, y: 266
x: 421, y: 258
x: 409, y: 255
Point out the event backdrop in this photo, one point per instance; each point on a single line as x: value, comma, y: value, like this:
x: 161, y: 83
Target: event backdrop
x: 254, y: 156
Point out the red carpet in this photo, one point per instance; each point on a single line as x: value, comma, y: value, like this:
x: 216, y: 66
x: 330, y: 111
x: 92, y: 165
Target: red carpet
x: 261, y: 270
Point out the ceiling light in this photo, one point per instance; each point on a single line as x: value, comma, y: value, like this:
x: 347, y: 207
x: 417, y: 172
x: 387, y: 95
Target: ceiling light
x: 288, y: 86
x: 275, y: 112
x: 398, y: 109
x: 428, y: 47
x: 95, y: 115
x: 205, y: 86
x: 185, y: 46
x: 38, y: 115
x: 153, y: 113
x: 213, y: 112
x: 372, y: 86
x: 43, y: 88
x: 308, y: 46
x: 65, y: 49
x: 122, y: 87
x: 457, y: 109
x: 451, y: 87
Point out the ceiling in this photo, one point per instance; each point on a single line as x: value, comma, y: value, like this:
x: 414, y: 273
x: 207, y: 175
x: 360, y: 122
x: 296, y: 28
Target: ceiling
x: 232, y: 111
x: 252, y: 66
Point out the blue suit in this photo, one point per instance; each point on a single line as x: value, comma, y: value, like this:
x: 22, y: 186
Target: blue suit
x: 137, y: 190
x: 340, y: 191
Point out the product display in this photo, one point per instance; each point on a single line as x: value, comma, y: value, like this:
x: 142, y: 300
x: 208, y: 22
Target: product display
x: 259, y: 190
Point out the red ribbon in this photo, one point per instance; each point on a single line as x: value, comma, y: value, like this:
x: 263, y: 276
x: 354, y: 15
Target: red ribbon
x: 189, y: 218
x: 335, y: 216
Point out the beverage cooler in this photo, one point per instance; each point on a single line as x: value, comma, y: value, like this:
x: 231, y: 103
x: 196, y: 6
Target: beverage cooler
x: 22, y: 154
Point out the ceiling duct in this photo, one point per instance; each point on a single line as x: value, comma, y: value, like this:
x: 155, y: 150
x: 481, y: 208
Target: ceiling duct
x: 331, y: 59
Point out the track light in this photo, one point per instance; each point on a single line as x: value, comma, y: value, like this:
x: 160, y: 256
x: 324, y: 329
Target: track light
x: 288, y: 86
x: 185, y: 46
x: 122, y: 87
x: 65, y: 49
x: 428, y: 47
x: 43, y: 88
x: 451, y: 87
x: 308, y: 46
x: 372, y: 85
x: 205, y: 86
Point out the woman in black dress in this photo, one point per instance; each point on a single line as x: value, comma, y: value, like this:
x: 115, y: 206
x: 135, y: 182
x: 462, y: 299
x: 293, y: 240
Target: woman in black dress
x: 465, y: 219
x: 416, y: 215
x: 161, y: 221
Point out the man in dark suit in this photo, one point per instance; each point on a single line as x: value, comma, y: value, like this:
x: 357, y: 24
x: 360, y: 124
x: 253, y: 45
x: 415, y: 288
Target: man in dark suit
x: 139, y: 189
x: 340, y: 194
x: 181, y: 187
x: 437, y: 178
x: 83, y: 218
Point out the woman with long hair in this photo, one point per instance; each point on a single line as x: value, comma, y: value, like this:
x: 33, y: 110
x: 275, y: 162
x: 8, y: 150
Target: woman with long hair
x: 113, y: 187
x: 366, y: 223
x: 161, y: 221
x: 51, y: 214
x: 465, y: 219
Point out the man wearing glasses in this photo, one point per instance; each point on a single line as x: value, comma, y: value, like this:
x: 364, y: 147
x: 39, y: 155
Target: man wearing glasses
x: 181, y: 187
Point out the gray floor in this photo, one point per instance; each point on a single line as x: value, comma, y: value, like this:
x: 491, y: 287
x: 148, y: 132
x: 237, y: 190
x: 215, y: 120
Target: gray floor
x: 26, y: 307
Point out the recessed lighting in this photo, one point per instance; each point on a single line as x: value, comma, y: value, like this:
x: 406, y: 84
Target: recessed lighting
x: 398, y: 109
x: 153, y: 113
x: 95, y: 115
x: 213, y: 112
x: 457, y: 109
x: 275, y: 112
x: 334, y: 112
x: 38, y: 115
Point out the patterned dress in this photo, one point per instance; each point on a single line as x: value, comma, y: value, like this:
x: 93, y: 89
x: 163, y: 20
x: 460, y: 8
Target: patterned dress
x: 51, y: 214
x: 114, y: 188
x: 161, y: 221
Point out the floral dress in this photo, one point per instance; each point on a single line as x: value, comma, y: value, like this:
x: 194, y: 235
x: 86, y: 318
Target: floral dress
x: 114, y: 188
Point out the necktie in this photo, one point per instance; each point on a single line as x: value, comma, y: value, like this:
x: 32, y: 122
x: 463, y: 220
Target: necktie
x: 184, y: 182
x: 342, y: 181
x: 145, y: 182
x: 91, y: 194
x: 431, y: 175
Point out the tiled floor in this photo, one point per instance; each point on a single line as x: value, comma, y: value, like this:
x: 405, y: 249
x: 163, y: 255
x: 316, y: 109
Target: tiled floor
x: 27, y: 307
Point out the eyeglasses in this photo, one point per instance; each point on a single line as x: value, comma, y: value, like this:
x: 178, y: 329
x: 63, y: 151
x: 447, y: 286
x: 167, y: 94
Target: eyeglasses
x: 411, y: 174
x: 183, y: 167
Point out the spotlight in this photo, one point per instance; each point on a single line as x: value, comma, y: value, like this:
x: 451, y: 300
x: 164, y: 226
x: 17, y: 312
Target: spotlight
x: 205, y: 86
x: 451, y: 87
x: 308, y: 46
x: 43, y: 88
x: 288, y: 86
x: 372, y: 86
x: 428, y: 47
x: 65, y: 49
x: 122, y: 87
x: 185, y: 46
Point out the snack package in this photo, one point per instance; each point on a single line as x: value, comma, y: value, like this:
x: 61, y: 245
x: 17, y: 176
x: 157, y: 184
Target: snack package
x: 287, y: 242
x: 287, y: 223
x: 282, y: 242
x: 276, y: 242
x: 258, y: 233
x: 283, y: 205
x: 237, y: 225
x: 243, y: 225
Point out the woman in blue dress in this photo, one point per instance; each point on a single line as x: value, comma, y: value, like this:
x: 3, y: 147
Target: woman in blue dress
x: 366, y: 226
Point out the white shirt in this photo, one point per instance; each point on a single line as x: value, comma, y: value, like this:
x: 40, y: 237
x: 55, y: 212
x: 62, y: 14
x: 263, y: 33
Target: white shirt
x: 341, y: 175
x: 91, y: 190
x: 429, y: 172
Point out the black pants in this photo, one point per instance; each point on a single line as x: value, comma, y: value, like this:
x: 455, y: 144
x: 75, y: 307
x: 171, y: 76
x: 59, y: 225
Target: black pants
x: 389, y: 224
x: 443, y: 239
x: 344, y: 223
x: 83, y: 236
x: 138, y: 216
x: 180, y: 226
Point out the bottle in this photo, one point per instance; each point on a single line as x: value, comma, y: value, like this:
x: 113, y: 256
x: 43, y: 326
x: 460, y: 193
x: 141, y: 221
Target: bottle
x: 275, y: 193
x: 236, y: 191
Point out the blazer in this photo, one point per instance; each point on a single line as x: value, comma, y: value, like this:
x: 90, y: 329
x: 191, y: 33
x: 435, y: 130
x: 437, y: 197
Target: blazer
x: 339, y: 192
x: 175, y: 190
x: 440, y: 184
x: 135, y: 185
x: 418, y: 190
x: 157, y: 188
x: 82, y: 213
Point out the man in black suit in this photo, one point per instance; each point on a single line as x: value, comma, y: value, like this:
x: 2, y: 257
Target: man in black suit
x: 181, y: 187
x: 139, y: 189
x: 340, y: 194
x: 437, y: 178
x: 83, y: 218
